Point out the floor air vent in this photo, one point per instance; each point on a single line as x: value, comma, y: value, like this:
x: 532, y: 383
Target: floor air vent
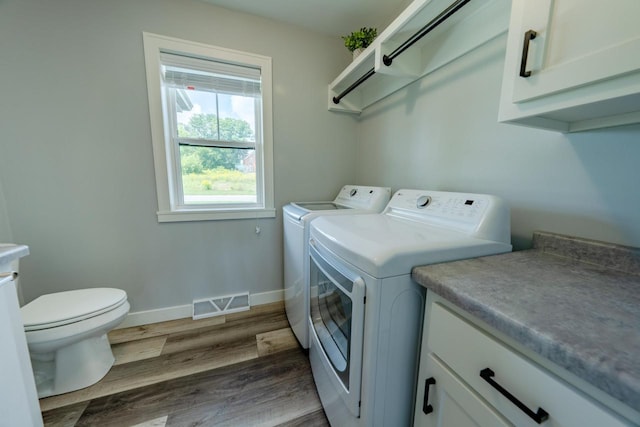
x: 220, y: 305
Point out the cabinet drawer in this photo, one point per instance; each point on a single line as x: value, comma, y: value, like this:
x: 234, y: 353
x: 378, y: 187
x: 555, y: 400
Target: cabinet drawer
x: 468, y: 351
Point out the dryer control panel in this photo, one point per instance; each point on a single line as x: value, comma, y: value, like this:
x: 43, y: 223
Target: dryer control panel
x: 481, y: 215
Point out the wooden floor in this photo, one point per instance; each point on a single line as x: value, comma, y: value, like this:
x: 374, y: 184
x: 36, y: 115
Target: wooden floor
x: 241, y: 369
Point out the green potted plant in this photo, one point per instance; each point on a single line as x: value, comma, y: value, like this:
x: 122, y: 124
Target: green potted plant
x: 357, y: 41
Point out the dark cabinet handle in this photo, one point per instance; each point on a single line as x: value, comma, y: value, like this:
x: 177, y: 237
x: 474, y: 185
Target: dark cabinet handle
x: 539, y: 417
x: 528, y: 36
x: 426, y: 408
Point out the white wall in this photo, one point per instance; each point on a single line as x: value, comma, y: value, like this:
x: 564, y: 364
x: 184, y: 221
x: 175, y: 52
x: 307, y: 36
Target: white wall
x: 442, y: 133
x: 5, y: 227
x: 75, y: 148
x: 77, y: 172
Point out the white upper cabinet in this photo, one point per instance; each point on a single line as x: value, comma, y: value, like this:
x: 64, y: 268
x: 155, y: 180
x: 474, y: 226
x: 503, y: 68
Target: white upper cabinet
x: 451, y: 29
x: 572, y: 65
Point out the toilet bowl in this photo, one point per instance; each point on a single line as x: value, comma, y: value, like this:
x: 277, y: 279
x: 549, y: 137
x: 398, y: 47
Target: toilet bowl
x: 67, y: 337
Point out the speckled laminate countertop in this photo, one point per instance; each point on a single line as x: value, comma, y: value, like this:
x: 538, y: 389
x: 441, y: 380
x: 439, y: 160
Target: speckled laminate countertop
x: 575, y: 302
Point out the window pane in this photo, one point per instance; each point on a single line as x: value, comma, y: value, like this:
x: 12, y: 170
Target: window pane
x: 212, y: 175
x: 197, y: 114
x: 237, y: 118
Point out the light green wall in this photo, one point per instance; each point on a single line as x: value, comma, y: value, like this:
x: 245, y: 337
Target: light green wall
x: 5, y: 228
x: 77, y: 172
x: 76, y: 159
x: 442, y: 133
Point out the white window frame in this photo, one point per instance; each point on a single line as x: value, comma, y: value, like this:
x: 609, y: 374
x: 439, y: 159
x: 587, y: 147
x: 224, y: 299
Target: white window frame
x: 166, y: 157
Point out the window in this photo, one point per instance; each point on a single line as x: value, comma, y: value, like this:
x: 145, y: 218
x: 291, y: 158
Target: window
x: 210, y: 111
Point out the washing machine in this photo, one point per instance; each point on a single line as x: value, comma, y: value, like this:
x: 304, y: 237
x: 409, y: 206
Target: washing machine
x: 352, y: 199
x: 366, y: 313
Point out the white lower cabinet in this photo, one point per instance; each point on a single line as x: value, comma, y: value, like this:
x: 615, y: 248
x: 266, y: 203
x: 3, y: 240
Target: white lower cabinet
x: 450, y: 402
x: 469, y: 378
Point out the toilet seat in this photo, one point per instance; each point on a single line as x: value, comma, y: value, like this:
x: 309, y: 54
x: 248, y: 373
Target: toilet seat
x: 63, y: 308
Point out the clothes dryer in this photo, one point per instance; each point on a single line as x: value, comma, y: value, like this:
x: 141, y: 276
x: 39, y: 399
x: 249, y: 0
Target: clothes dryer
x: 366, y: 313
x: 352, y: 199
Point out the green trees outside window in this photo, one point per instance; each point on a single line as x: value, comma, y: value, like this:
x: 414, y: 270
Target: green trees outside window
x: 210, y: 170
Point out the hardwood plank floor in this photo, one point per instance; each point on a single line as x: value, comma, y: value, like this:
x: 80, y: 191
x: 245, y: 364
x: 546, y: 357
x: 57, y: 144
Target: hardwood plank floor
x: 243, y: 369
x: 133, y: 351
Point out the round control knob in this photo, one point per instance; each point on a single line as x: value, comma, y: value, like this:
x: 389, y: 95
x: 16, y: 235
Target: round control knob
x: 423, y: 202
x: 353, y: 192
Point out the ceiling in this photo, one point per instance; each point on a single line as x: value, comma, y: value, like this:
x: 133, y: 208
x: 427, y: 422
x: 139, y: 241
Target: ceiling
x: 331, y: 17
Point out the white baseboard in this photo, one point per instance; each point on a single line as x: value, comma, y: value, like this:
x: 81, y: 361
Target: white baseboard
x: 266, y: 297
x: 182, y: 311
x: 154, y: 316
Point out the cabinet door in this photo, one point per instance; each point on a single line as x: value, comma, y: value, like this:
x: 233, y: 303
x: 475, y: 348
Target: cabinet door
x: 451, y: 402
x: 576, y: 43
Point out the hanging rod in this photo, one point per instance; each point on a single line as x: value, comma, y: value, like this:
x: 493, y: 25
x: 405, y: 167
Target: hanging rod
x: 388, y: 59
x: 446, y: 14
x: 336, y: 99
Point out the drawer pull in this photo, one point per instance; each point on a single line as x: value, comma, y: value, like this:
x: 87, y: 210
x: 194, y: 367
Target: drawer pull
x: 426, y: 408
x: 539, y: 417
x: 528, y: 36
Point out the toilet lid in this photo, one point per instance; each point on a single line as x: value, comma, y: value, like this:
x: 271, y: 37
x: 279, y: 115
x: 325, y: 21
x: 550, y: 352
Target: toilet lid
x: 62, y: 308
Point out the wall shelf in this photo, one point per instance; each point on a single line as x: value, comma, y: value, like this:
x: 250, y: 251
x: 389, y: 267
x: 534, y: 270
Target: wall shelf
x: 474, y: 24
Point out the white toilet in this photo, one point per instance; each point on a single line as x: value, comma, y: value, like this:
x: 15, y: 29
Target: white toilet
x: 67, y: 337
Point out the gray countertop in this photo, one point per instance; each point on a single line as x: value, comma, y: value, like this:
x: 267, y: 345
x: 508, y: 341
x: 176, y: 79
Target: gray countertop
x: 9, y: 252
x: 575, y: 302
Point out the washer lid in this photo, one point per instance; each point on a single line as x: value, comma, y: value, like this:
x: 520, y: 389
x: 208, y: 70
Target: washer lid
x: 62, y: 308
x: 320, y: 206
x: 298, y: 210
x: 366, y: 199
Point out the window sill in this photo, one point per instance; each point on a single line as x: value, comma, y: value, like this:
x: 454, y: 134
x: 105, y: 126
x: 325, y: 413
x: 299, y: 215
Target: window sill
x: 211, y: 215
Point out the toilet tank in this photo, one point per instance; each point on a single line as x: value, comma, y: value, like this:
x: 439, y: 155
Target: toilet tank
x: 10, y: 255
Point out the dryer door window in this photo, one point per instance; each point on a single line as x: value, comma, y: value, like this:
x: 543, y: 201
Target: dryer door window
x: 331, y: 311
x: 337, y: 308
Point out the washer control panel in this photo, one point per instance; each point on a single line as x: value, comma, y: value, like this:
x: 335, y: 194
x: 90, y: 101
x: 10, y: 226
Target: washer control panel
x: 370, y: 198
